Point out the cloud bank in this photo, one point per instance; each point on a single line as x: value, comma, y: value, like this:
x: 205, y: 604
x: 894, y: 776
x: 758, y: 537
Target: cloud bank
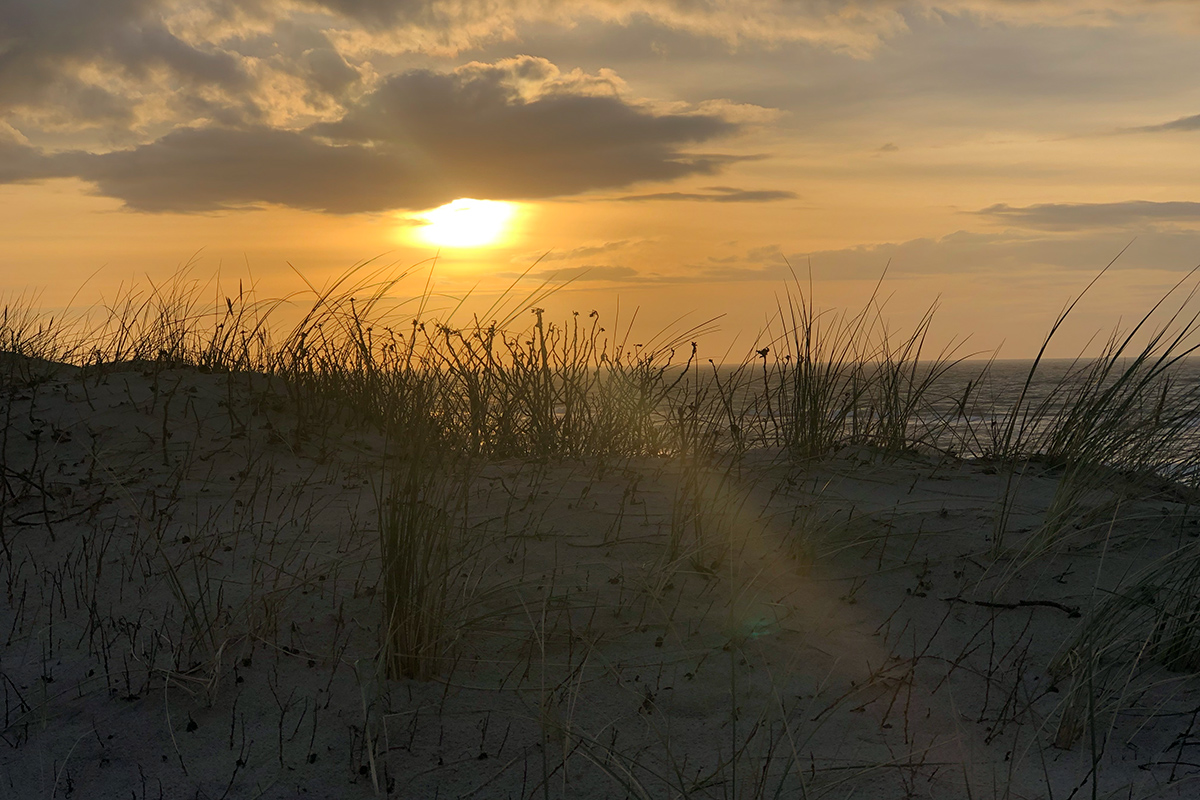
x: 124, y: 64
x: 515, y: 129
x: 202, y: 105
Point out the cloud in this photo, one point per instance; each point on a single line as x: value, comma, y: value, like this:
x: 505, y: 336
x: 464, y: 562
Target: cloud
x: 515, y: 129
x: 961, y: 252
x: 587, y: 272
x: 327, y: 70
x: 168, y: 80
x: 80, y: 61
x: 519, y: 128
x: 20, y: 163
x: 134, y: 68
x: 1191, y: 123
x: 966, y: 252
x: 584, y: 251
x: 209, y: 169
x: 1079, y: 216
x: 451, y: 26
x: 858, y: 27
x: 717, y: 194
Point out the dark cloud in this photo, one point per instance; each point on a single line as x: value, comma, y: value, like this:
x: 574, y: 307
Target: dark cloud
x: 717, y: 194
x: 297, y: 47
x: 214, y: 168
x: 328, y: 71
x: 767, y: 19
x: 514, y: 130
x: 1078, y: 216
x: 20, y: 163
x: 520, y: 129
x: 388, y: 13
x: 57, y: 55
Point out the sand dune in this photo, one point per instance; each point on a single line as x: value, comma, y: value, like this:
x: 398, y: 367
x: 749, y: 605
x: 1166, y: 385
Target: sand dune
x: 192, y: 609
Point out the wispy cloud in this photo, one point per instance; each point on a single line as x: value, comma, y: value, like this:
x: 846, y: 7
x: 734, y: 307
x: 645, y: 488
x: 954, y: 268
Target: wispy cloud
x: 716, y: 194
x: 1081, y: 216
x: 964, y: 252
x: 858, y: 27
x: 1191, y: 123
x: 587, y: 272
x: 583, y: 251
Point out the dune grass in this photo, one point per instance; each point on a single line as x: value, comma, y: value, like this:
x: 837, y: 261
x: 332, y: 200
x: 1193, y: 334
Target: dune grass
x: 1121, y: 413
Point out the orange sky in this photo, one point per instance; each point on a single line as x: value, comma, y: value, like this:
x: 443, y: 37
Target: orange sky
x: 666, y: 155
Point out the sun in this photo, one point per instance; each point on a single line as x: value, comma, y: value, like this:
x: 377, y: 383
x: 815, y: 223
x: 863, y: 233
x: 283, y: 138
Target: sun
x: 466, y: 222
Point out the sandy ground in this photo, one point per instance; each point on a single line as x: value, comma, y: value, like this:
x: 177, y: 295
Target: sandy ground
x: 191, y: 610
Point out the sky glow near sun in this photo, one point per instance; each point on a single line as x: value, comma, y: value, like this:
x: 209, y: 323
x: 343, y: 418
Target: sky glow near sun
x: 466, y: 222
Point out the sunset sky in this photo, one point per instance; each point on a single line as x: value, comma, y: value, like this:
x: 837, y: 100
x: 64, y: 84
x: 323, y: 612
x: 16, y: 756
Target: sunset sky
x: 674, y: 154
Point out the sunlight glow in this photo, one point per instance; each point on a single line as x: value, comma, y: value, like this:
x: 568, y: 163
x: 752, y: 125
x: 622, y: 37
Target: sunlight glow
x: 466, y: 223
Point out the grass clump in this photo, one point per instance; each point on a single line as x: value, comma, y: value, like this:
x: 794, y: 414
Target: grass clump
x: 847, y: 379
x: 1151, y: 619
x: 421, y: 512
x: 1122, y: 413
